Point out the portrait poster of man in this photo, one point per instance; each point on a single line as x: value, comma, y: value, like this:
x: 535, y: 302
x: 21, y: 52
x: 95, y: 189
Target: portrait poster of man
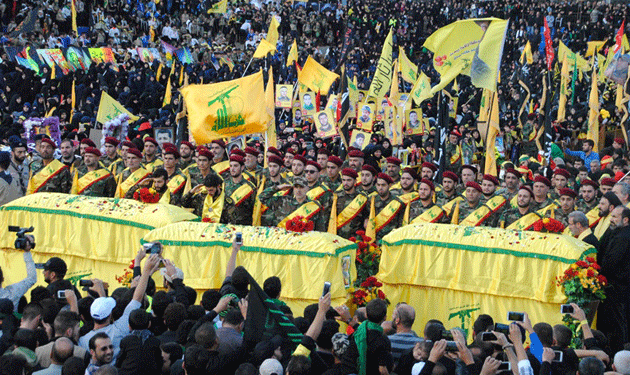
x: 237, y: 142
x: 365, y: 116
x: 359, y: 139
x: 163, y: 135
x: 391, y: 131
x: 402, y: 100
x: 284, y: 93
x: 332, y: 103
x: 297, y: 113
x: 362, y: 95
x: 414, y: 121
x: 383, y: 110
x: 325, y: 124
x: 308, y: 103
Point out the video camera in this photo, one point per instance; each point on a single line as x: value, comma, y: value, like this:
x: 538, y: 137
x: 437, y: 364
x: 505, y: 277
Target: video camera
x: 20, y: 241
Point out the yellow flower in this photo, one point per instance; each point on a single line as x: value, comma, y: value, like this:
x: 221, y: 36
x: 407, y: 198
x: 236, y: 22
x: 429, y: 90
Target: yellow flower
x: 546, y: 220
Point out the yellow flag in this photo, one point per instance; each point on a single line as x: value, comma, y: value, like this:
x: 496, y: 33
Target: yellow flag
x: 408, y: 70
x: 271, y: 140
x: 484, y: 113
x: 264, y: 48
x: 370, y: 228
x: 393, y: 90
x: 383, y: 75
x: 564, y: 81
x: 109, y: 109
x: 316, y: 77
x: 353, y: 90
x: 421, y: 90
x: 582, y: 63
x: 593, y: 114
x: 527, y: 54
x: 167, y: 94
x: 74, y: 18
x: 472, y: 47
x: 159, y: 71
x: 293, y: 54
x: 594, y: 47
x: 493, y: 130
x: 624, y: 43
x: 181, y: 75
x: 226, y: 109
x: 272, y: 33
x: 220, y: 7
x: 74, y: 101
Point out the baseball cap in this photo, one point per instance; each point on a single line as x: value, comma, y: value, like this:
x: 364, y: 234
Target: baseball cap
x: 102, y: 307
x: 270, y: 366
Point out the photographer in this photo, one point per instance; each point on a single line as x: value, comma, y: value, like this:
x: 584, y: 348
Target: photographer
x: 54, y: 272
x: 15, y: 291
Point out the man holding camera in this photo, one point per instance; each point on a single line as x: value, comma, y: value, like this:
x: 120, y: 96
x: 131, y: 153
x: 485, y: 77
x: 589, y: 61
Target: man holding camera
x: 54, y: 272
x: 15, y: 291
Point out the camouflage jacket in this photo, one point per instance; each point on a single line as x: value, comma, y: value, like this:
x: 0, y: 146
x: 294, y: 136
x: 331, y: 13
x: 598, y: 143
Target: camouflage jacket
x: 239, y: 213
x: 59, y: 183
x: 357, y: 223
x: 284, y: 205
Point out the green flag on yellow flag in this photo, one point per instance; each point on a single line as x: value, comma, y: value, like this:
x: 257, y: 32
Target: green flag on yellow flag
x: 408, y: 70
x: 264, y: 48
x: 472, y: 47
x: 226, y: 109
x: 293, y: 54
x: 316, y: 77
x: 109, y: 108
x: 593, y: 113
x: 383, y: 75
x: 220, y: 7
x: 421, y: 90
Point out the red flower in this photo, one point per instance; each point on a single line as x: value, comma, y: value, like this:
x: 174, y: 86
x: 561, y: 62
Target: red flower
x: 596, y: 266
x: 381, y: 295
x: 602, y: 279
x: 581, y: 263
x: 361, y: 232
x: 310, y: 226
x: 353, y: 239
x: 590, y: 273
x: 590, y: 259
x: 205, y: 220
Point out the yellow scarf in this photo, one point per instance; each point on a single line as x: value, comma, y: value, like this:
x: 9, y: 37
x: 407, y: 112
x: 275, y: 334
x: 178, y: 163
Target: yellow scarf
x: 80, y: 184
x: 38, y: 180
x: 478, y: 216
x: 124, y: 186
x: 307, y: 211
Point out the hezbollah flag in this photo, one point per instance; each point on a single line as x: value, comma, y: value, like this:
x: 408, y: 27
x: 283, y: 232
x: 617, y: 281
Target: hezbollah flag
x: 472, y: 47
x: 526, y: 55
x: 594, y: 47
x: 270, y: 106
x: 316, y: 77
x: 293, y: 54
x: 493, y: 131
x: 109, y: 109
x: 225, y: 109
x: 408, y: 70
x: 272, y: 33
x: 220, y: 7
x: 581, y: 63
x: 383, y: 76
x: 593, y: 113
x: 564, y: 82
x: 421, y: 90
x: 264, y: 48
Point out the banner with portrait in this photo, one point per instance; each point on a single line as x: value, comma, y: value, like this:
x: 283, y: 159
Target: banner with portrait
x: 325, y: 124
x: 284, y: 93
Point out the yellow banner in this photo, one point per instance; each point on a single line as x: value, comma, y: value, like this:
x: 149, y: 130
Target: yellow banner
x: 109, y: 109
x: 272, y: 33
x: 264, y: 48
x: 167, y: 94
x: 383, y: 75
x: 271, y: 139
x: 408, y: 70
x: 80, y: 184
x: 593, y: 114
x: 293, y: 54
x: 582, y: 63
x: 220, y: 7
x: 493, y: 130
x: 472, y: 47
x: 564, y: 90
x: 421, y: 90
x: 124, y: 186
x: 225, y: 109
x: 527, y: 54
x: 594, y: 47
x: 39, y: 179
x: 316, y: 77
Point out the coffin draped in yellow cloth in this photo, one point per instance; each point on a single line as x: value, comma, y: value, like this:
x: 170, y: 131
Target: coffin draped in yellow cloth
x: 302, y: 261
x: 455, y: 273
x: 97, y: 237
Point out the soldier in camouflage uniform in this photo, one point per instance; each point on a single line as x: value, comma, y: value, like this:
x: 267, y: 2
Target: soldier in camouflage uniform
x: 120, y: 165
x: 111, y: 154
x: 473, y: 200
x: 131, y: 175
x: 588, y: 194
x: 449, y: 189
x: 567, y: 205
x: 528, y: 136
x: 198, y: 172
x: 541, y: 190
x: 332, y: 179
x: 388, y: 209
x: 91, y: 179
x: 489, y: 187
x: 560, y: 180
x: 240, y: 195
x: 318, y: 191
x: 368, y: 179
x: 271, y: 178
x: 425, y: 199
x: 524, y: 197
x: 345, y: 197
x: 251, y: 164
x: 285, y: 205
x: 196, y: 197
x: 453, y: 153
x: 151, y: 159
x: 468, y: 173
x: 48, y: 175
x: 393, y: 168
x: 512, y: 181
x: 176, y: 181
x: 186, y: 151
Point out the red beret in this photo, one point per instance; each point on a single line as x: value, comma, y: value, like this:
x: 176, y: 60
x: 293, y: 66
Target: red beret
x: 171, y: 151
x: 349, y: 172
x: 129, y: 144
x: 151, y: 140
x: 300, y: 158
x: 450, y: 175
x: 251, y: 151
x: 514, y: 172
x: 607, y: 181
x: 205, y: 152
x: 592, y: 183
x: 428, y: 182
x: 370, y: 169
x: 351, y: 148
x: 219, y: 142
x: 528, y: 189
x: 135, y: 152
x: 411, y: 172
x: 491, y: 178
x: 472, y: 168
x: 237, y: 151
x: 431, y: 166
x: 394, y: 160
x: 314, y: 164
x: 238, y: 158
x: 93, y: 151
x: 542, y: 179
x: 568, y: 192
x: 112, y: 141
x: 49, y: 141
x: 273, y: 158
x: 454, y: 132
x: 188, y: 144
x: 620, y: 141
x: 88, y: 141
x: 562, y: 172
x: 291, y: 151
x: 144, y: 126
x: 385, y: 177
x: 356, y: 154
x: 323, y: 151
x: 274, y: 150
x: 335, y: 160
x: 474, y: 185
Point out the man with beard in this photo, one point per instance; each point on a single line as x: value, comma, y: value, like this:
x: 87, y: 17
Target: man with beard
x: 101, y: 351
x: 48, y: 175
x: 151, y: 160
x: 512, y: 180
x: 287, y: 207
x: 111, y: 154
x: 121, y: 164
x: 614, y: 258
x: 239, y: 195
x: 67, y: 155
x: 523, y: 200
x: 606, y: 204
x: 220, y: 162
x: 388, y: 209
x: 251, y: 164
x: 560, y: 181
x: 422, y: 209
x: 588, y: 196
x: 449, y: 189
x: 541, y: 188
x: 206, y: 199
x: 186, y: 151
x: 468, y: 173
x: 18, y: 168
x: 489, y: 187
x: 333, y: 169
x: 606, y: 185
x: 91, y: 179
x: 578, y: 225
x: 368, y: 178
x: 567, y: 205
x: 408, y: 179
x: 356, y: 159
x: 198, y: 171
x: 176, y: 181
x: 54, y: 275
x: 393, y: 168
x: 349, y: 206
x: 472, y: 203
x: 322, y: 157
x: 132, y: 175
x: 317, y: 190
x: 271, y: 177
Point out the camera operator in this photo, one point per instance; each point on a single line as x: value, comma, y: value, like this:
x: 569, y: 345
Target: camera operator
x: 15, y: 291
x: 54, y: 272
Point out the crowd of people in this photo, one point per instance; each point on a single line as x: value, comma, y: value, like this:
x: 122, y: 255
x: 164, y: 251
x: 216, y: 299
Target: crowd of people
x: 340, y: 186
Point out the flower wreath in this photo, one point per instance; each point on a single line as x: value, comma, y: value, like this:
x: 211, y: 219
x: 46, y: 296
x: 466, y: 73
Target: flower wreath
x: 548, y: 225
x: 117, y: 128
x: 300, y: 224
x: 35, y: 125
x: 147, y: 195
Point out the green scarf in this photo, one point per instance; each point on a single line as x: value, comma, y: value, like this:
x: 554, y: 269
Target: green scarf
x: 360, y: 338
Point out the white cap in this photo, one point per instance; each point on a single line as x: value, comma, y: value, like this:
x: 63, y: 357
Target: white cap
x: 102, y: 307
x: 270, y: 366
x: 179, y: 274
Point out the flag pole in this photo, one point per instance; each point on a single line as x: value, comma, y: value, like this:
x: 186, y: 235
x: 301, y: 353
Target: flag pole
x: 247, y: 67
